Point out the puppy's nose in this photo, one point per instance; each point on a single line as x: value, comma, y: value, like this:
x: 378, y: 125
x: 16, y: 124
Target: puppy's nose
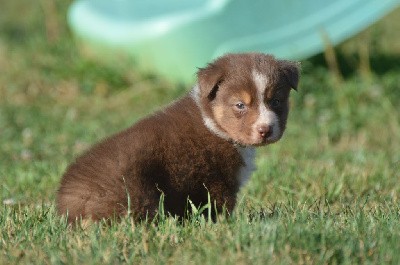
x: 264, y: 130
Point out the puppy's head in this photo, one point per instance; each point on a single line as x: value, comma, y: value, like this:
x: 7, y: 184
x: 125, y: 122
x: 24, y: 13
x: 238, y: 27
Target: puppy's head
x: 244, y: 97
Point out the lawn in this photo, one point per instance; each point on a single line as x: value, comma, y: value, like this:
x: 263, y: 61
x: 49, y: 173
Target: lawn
x: 328, y: 192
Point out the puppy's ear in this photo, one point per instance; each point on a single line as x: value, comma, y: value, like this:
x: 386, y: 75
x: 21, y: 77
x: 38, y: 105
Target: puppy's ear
x: 209, y: 80
x: 291, y: 70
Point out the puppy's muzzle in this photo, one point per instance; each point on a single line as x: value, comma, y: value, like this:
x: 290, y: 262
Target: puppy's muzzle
x: 265, y: 130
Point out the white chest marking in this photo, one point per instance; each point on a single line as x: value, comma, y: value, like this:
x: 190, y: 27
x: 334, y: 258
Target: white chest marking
x: 248, y: 155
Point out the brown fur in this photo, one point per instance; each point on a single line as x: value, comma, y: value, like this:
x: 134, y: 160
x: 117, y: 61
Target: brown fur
x: 173, y: 152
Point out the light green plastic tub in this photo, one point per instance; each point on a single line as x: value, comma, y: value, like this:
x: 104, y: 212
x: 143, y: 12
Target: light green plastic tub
x: 175, y: 37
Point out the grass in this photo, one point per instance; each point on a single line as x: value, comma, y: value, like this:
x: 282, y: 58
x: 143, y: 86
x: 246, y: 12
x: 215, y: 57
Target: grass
x: 328, y: 192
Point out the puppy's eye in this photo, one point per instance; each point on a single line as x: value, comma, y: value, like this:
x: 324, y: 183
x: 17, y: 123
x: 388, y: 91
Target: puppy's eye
x: 275, y: 103
x: 240, y: 106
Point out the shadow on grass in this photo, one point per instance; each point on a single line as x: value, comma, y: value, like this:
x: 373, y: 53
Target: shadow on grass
x: 379, y: 63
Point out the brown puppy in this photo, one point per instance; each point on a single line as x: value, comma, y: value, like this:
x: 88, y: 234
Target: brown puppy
x: 202, y: 143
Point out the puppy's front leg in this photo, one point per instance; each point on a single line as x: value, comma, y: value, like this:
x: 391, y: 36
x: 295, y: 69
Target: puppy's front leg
x: 223, y: 198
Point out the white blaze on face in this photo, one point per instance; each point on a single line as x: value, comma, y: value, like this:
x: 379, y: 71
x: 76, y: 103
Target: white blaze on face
x: 269, y: 118
x: 261, y: 82
x: 266, y: 116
